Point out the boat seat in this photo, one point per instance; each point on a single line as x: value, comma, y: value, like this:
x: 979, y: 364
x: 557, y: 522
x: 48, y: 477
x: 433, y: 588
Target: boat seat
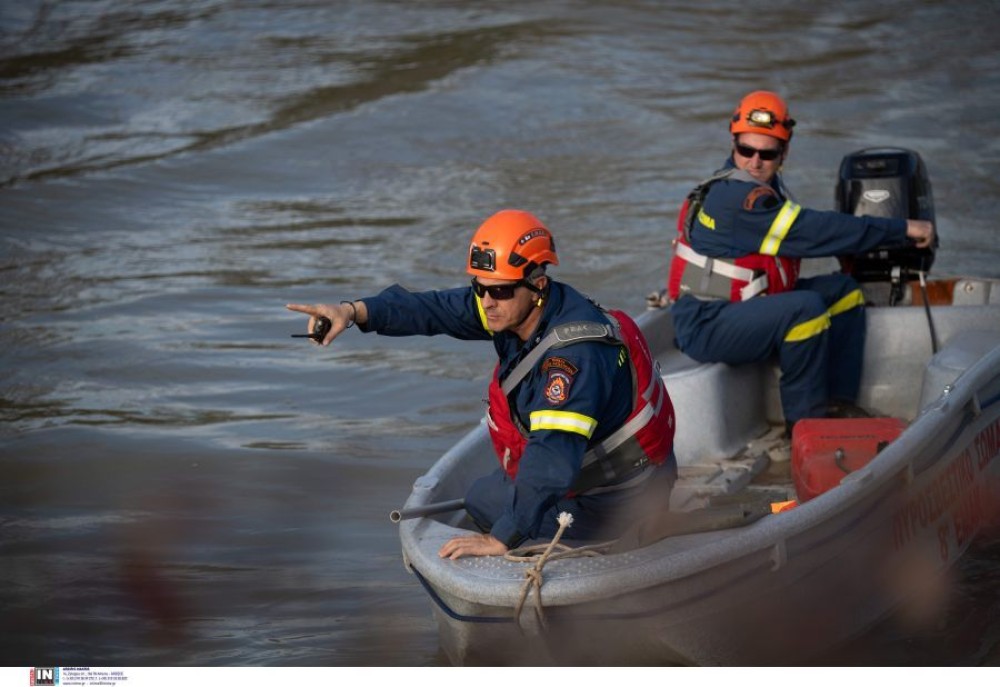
x: 703, y: 432
x: 962, y: 351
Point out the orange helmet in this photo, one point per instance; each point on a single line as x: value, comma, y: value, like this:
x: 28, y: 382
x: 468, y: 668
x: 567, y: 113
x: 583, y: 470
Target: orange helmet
x: 510, y: 245
x: 762, y: 112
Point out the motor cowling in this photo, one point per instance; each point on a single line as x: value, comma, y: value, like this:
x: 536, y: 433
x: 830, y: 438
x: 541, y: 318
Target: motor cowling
x: 886, y: 182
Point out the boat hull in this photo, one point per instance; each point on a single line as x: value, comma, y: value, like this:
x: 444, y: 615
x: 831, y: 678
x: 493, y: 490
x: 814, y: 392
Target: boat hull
x: 784, y: 589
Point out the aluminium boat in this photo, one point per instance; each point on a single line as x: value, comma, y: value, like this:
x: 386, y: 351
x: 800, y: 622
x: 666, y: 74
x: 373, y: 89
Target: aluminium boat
x: 774, y: 549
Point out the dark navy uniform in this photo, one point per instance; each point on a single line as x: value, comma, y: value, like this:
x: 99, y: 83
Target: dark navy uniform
x: 588, y: 398
x: 817, y: 328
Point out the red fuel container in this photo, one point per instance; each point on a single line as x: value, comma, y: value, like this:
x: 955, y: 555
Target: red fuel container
x: 825, y: 450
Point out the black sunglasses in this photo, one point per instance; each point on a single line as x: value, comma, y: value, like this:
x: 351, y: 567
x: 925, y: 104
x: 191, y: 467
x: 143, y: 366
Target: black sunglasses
x: 766, y: 154
x: 500, y: 292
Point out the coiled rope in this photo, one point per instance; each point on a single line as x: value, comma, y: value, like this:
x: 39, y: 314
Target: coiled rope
x: 541, y: 554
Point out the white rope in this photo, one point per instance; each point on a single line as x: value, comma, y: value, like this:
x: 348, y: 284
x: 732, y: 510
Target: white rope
x: 541, y: 554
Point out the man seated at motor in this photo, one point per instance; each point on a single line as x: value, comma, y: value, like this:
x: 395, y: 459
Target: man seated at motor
x: 741, y: 237
x: 578, y: 413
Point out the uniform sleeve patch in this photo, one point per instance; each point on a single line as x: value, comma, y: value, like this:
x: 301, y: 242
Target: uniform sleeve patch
x: 557, y: 363
x: 770, y: 198
x: 557, y: 387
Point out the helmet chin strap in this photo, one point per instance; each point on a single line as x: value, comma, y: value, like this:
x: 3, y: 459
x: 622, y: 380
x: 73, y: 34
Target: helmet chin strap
x: 520, y: 323
x: 539, y: 302
x: 543, y: 292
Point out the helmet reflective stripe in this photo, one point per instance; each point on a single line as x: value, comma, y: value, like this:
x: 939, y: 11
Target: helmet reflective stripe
x: 563, y: 421
x: 779, y: 228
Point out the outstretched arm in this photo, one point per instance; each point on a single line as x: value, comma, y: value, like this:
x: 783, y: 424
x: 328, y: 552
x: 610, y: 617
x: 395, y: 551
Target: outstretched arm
x: 341, y: 315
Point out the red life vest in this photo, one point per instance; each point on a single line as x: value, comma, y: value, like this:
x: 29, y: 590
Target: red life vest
x: 743, y: 277
x: 646, y: 436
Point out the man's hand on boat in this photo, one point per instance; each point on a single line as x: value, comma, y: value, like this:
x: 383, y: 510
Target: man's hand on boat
x: 921, y: 232
x: 473, y: 545
x: 341, y: 315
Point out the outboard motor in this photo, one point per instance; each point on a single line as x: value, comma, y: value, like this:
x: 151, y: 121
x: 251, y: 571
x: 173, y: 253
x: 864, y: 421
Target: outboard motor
x: 887, y: 182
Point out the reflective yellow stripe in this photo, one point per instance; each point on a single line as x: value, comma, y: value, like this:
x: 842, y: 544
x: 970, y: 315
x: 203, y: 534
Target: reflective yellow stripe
x: 852, y: 300
x: 818, y: 325
x: 563, y: 421
x: 779, y: 228
x: 808, y: 329
x: 482, y: 313
x: 705, y: 219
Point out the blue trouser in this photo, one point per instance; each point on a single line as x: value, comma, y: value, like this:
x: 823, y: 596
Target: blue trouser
x: 817, y: 332
x: 595, y: 517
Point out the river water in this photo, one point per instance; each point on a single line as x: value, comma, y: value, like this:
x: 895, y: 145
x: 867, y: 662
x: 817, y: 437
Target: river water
x: 184, y: 484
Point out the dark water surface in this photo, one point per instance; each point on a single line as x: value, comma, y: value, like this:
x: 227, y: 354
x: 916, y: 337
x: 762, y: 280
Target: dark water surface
x: 180, y: 482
